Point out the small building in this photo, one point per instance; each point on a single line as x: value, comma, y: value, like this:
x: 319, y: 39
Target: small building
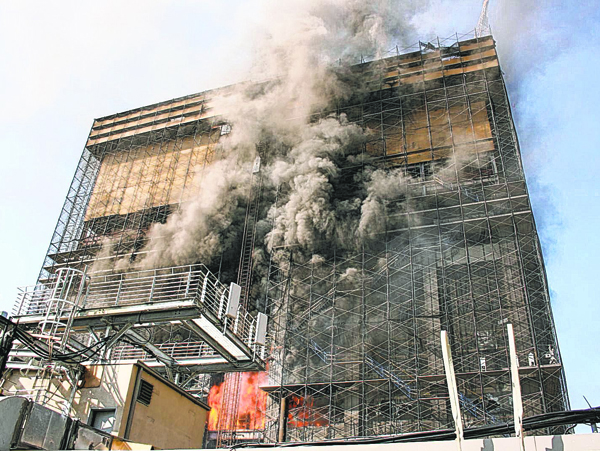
x: 132, y: 402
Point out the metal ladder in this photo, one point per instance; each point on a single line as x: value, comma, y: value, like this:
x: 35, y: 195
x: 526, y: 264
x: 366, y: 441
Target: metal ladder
x: 252, y: 209
x: 227, y: 422
x: 67, y: 293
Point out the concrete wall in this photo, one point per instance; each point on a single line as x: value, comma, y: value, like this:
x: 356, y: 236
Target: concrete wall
x: 24, y: 383
x: 105, y: 387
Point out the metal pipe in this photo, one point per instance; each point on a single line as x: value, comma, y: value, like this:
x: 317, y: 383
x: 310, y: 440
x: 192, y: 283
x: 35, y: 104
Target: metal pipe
x: 452, y: 389
x: 74, y: 377
x: 283, y: 413
x: 516, y: 387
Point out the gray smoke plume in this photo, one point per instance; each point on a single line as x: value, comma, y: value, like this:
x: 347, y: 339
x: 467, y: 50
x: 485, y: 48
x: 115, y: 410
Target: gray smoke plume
x: 303, y: 50
x: 382, y: 186
x: 307, y: 215
x: 527, y: 48
x: 200, y: 230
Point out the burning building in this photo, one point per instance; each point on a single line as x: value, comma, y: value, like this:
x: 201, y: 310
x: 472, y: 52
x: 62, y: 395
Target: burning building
x: 362, y: 209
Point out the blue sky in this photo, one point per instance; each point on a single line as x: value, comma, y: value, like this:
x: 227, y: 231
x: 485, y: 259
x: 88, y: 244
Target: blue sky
x: 66, y: 62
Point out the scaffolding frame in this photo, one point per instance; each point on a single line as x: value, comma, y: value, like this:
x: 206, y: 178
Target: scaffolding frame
x: 356, y: 356
x: 362, y: 355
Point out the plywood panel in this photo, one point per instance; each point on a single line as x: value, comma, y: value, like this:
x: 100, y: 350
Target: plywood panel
x: 419, y: 157
x: 149, y: 176
x: 394, y: 144
x: 470, y: 132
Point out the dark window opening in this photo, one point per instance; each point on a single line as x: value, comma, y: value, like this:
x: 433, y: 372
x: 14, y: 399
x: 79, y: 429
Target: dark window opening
x: 420, y: 171
x: 103, y: 419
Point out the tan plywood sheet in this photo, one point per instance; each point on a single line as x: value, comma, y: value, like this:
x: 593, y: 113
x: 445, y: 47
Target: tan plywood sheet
x: 149, y: 176
x: 466, y: 129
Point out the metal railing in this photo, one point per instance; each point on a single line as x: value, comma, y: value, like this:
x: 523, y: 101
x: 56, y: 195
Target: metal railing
x: 143, y: 287
x: 178, y: 351
x: 183, y: 283
x: 33, y: 300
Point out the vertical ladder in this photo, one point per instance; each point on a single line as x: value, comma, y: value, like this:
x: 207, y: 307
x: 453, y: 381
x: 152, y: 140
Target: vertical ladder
x: 227, y: 423
x: 65, y: 299
x: 252, y: 209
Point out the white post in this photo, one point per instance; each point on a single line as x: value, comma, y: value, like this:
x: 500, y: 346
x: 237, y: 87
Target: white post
x: 516, y: 387
x: 452, y: 389
x: 203, y: 292
x: 233, y: 302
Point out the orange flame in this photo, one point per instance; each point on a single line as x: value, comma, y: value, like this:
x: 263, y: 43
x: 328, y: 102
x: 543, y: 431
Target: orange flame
x: 250, y: 414
x: 302, y: 413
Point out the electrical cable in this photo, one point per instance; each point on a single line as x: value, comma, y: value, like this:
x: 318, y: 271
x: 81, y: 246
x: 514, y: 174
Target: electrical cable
x: 35, y: 345
x: 64, y: 357
x: 547, y: 420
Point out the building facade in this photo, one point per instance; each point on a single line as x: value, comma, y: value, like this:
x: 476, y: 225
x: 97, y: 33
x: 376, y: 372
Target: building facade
x: 458, y: 251
x: 355, y: 317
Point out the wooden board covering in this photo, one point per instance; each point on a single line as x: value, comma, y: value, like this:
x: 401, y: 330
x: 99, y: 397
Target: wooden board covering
x: 416, y: 67
x: 149, y: 176
x: 165, y: 173
x: 423, y: 135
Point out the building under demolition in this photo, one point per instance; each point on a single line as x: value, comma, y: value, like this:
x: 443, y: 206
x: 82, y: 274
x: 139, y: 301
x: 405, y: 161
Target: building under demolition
x: 420, y: 222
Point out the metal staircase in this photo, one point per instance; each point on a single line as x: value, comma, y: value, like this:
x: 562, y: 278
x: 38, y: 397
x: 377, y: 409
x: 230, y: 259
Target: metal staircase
x: 466, y: 403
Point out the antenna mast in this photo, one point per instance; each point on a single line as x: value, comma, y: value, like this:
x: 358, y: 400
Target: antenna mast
x: 483, y: 25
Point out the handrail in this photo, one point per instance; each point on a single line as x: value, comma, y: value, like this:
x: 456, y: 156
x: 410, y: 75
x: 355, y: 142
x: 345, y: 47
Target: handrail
x: 183, y: 283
